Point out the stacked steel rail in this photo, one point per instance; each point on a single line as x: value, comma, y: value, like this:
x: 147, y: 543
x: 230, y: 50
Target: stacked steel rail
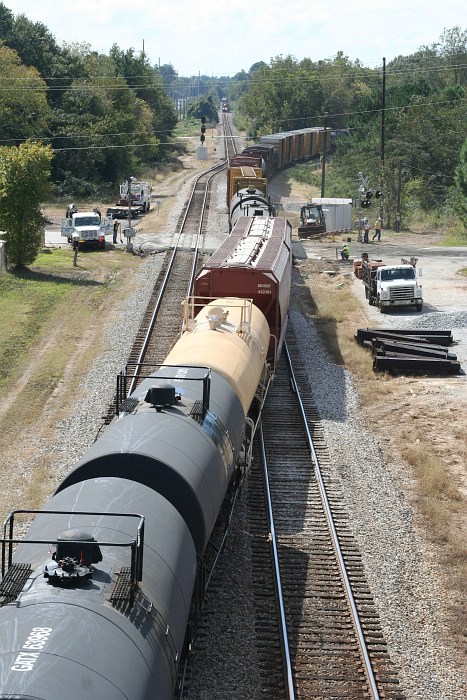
x: 410, y: 350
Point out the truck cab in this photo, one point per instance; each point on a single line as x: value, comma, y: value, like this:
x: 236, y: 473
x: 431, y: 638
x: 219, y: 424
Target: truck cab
x: 389, y: 286
x: 86, y: 228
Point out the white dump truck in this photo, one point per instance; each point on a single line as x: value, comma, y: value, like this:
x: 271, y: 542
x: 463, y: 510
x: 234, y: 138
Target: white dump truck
x: 86, y: 228
x: 390, y: 286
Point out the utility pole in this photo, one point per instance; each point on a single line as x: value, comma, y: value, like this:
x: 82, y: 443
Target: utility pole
x: 383, y: 108
x: 399, y: 185
x: 383, y: 111
x: 323, y: 164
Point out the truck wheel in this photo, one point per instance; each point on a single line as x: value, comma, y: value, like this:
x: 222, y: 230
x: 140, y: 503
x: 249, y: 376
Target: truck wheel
x: 419, y: 307
x: 381, y: 307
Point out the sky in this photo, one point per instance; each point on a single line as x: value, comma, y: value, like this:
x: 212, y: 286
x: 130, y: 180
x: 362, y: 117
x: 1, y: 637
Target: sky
x: 221, y: 38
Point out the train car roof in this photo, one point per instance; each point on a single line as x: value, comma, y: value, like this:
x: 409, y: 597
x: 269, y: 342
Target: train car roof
x: 254, y: 242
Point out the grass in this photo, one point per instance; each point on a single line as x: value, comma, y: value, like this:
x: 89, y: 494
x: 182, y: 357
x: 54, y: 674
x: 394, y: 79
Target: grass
x: 45, y: 311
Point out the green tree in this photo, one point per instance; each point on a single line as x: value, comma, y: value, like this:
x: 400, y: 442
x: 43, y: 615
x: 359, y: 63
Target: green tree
x: 203, y: 107
x: 24, y: 111
x: 282, y: 96
x: 6, y: 21
x: 453, y: 50
x: 461, y: 183
x: 24, y: 184
x: 147, y: 83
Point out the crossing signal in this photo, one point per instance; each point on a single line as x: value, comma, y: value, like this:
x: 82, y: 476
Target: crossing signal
x: 369, y: 194
x: 378, y: 194
x: 365, y: 203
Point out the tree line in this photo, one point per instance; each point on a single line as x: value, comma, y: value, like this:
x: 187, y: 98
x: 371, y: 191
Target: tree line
x: 424, y: 151
x: 89, y: 120
x: 103, y: 115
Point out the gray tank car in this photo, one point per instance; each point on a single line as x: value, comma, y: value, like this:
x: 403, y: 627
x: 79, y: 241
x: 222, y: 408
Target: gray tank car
x: 105, y: 614
x: 249, y: 202
x: 83, y: 638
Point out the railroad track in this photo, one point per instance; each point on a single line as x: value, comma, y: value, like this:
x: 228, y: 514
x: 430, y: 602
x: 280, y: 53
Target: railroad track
x: 230, y: 144
x: 325, y: 602
x: 162, y: 320
x: 333, y: 644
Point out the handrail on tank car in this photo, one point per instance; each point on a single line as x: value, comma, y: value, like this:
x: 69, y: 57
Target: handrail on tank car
x: 191, y: 303
x: 276, y: 359
x: 136, y: 544
x: 125, y: 375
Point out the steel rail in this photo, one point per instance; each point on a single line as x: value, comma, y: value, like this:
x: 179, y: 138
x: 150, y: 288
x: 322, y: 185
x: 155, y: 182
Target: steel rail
x: 162, y: 290
x: 277, y: 575
x: 335, y: 539
x: 200, y: 227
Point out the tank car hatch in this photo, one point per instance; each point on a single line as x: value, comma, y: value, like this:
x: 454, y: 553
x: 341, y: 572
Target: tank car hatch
x: 72, y: 561
x: 162, y: 396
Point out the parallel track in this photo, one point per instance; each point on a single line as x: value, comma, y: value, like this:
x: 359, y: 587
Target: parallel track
x: 334, y: 646
x: 230, y: 144
x: 162, y: 321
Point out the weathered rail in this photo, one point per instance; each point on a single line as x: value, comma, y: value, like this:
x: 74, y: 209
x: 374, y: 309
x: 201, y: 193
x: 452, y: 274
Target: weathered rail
x: 335, y: 643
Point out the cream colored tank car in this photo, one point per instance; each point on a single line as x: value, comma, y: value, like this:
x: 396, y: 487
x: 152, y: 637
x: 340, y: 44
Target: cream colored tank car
x: 231, y: 336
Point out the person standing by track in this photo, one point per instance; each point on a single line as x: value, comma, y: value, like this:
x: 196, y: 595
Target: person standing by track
x: 377, y: 233
x: 366, y: 230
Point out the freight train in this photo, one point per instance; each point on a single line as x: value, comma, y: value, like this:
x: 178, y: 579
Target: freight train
x: 249, y: 172
x: 99, y: 599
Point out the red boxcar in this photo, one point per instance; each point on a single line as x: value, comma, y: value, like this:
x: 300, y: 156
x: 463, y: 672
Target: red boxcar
x: 254, y: 262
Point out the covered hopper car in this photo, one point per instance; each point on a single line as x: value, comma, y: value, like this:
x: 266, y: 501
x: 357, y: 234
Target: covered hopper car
x: 254, y: 262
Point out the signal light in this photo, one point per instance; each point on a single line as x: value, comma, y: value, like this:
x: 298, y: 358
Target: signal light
x: 202, y: 138
x: 369, y: 194
x: 365, y: 204
x: 378, y: 194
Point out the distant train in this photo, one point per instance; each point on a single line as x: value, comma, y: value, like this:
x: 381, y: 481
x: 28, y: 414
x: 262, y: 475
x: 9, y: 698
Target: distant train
x: 225, y: 105
x: 249, y: 172
x: 99, y: 599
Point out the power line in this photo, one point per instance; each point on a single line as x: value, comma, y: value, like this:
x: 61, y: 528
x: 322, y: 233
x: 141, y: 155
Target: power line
x: 75, y: 85
x: 277, y: 120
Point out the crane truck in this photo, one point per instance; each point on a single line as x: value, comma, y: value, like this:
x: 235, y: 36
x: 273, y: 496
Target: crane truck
x: 139, y: 201
x: 389, y: 286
